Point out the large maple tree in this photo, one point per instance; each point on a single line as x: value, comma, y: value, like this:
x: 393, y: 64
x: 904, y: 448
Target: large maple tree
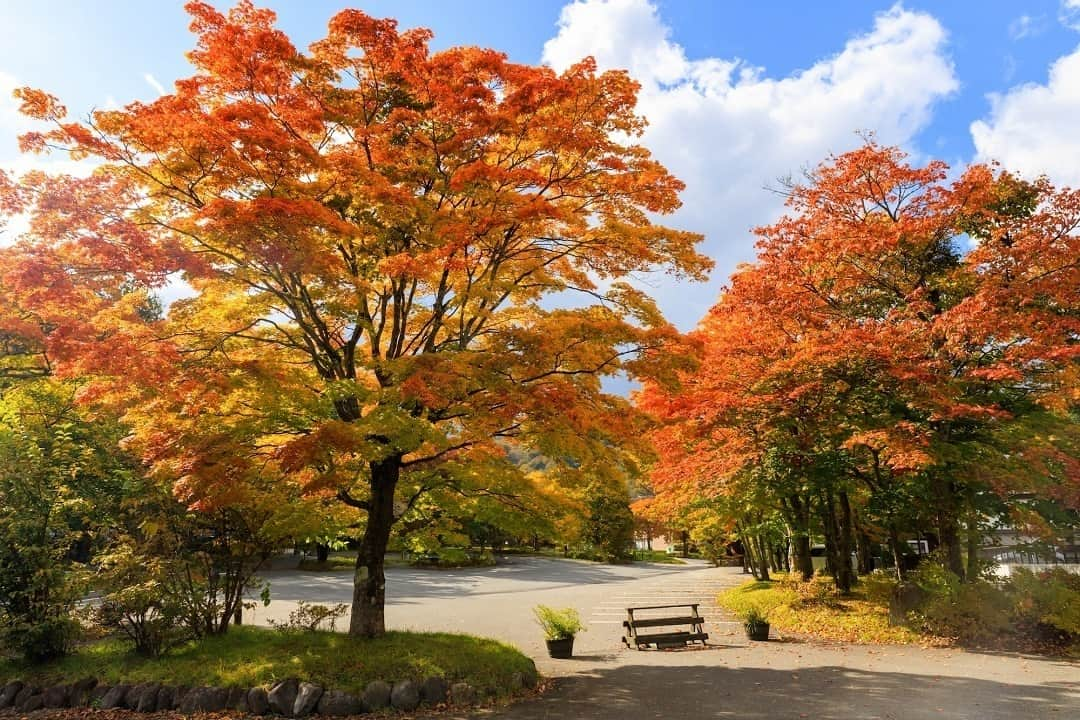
x: 400, y: 263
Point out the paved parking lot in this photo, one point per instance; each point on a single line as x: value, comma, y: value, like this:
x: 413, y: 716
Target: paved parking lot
x: 729, y: 679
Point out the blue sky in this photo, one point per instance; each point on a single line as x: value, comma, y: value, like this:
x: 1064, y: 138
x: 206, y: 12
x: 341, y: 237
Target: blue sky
x: 738, y: 93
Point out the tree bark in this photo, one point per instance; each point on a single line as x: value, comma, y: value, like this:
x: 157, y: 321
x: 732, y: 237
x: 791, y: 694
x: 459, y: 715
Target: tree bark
x: 369, y: 584
x: 798, y: 513
x: 949, y: 539
x: 897, y: 550
x: 845, y: 546
x: 948, y: 526
x: 864, y: 549
x: 322, y: 552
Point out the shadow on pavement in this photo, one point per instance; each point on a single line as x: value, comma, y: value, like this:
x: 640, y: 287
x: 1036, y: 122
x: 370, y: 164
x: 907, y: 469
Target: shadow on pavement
x: 406, y: 583
x: 637, y: 692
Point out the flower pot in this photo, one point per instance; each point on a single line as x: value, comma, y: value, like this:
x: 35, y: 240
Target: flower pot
x: 757, y: 631
x: 561, y: 648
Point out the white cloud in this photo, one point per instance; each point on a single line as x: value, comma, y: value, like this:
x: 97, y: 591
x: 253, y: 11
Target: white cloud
x: 12, y: 123
x: 1026, y: 26
x: 153, y: 82
x: 728, y: 129
x: 15, y: 163
x: 1070, y: 13
x: 1033, y: 128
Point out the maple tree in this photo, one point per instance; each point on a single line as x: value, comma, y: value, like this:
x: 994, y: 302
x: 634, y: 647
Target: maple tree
x: 401, y: 262
x: 877, y: 363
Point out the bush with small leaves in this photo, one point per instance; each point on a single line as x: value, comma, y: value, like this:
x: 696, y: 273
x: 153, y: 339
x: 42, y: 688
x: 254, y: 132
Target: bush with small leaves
x: 309, y: 617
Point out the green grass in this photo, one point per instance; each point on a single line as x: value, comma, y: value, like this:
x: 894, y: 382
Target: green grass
x: 249, y: 656
x: 855, y: 619
x: 332, y: 563
x: 657, y: 556
x: 345, y: 561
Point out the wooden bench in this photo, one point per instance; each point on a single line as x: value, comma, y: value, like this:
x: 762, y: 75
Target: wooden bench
x: 678, y: 638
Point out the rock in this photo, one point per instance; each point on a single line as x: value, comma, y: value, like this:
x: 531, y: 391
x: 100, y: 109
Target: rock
x: 307, y: 697
x: 282, y: 696
x: 216, y: 699
x: 337, y: 703
x: 97, y: 695
x: 166, y: 698
x: 405, y: 695
x: 57, y: 696
x: 462, y: 693
x: 376, y: 695
x: 237, y: 699
x: 257, y: 701
x: 134, y: 695
x: 186, y: 703
x: 7, y: 695
x: 32, y: 703
x: 204, y: 699
x: 433, y: 690
x: 148, y: 698
x: 114, y: 698
x: 517, y: 682
x: 82, y: 692
x: 22, y: 695
x: 178, y: 696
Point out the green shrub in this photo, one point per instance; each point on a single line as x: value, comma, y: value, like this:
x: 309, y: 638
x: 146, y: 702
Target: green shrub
x: 878, y: 586
x: 1049, y: 598
x: 43, y: 640
x: 558, y: 623
x: 975, y: 611
x: 135, y: 601
x: 310, y: 617
x: 452, y: 557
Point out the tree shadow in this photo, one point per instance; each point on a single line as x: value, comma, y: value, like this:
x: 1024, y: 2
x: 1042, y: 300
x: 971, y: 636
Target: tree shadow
x: 631, y: 692
x: 405, y: 584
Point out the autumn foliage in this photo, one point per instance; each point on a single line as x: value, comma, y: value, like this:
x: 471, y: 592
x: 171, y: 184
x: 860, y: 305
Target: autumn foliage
x: 397, y: 264
x: 902, y: 357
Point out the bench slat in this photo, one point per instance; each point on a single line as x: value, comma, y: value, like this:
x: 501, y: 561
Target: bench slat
x: 663, y: 607
x: 669, y: 637
x: 661, y: 622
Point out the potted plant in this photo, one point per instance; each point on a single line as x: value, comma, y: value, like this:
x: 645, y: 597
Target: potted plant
x: 560, y: 626
x: 756, y: 625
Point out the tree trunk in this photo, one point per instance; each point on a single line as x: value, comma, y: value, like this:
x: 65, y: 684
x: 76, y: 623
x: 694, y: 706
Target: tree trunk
x: 974, y: 540
x: 864, y: 549
x: 897, y: 551
x: 948, y: 511
x: 369, y: 584
x: 322, y: 552
x: 829, y: 529
x: 845, y: 546
x: 949, y: 539
x: 798, y: 512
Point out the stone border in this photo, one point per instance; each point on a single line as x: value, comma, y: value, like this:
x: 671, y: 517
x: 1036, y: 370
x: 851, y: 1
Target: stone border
x: 290, y: 698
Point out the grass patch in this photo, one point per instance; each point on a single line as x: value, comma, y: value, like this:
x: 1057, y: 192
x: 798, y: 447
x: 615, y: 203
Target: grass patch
x: 250, y: 656
x: 657, y: 556
x: 854, y: 619
x: 345, y: 561
x: 332, y: 563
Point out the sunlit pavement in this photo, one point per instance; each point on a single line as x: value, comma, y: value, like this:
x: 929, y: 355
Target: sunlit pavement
x: 731, y: 678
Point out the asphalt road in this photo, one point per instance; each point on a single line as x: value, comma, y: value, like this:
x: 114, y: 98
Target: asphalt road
x: 732, y: 678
